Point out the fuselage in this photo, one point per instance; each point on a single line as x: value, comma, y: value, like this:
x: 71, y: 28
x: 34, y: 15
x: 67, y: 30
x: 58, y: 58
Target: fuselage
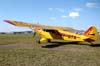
x: 60, y: 34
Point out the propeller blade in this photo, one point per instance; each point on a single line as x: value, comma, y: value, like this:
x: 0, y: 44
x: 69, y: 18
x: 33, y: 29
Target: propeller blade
x: 34, y: 34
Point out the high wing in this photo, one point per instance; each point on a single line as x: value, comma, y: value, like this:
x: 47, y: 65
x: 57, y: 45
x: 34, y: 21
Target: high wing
x: 22, y: 24
x: 29, y: 25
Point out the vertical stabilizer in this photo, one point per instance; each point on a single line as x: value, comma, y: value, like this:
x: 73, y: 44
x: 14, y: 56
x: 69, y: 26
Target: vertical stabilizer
x: 92, y: 33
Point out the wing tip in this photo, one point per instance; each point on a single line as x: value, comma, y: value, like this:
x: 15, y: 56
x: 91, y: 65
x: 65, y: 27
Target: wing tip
x: 9, y: 21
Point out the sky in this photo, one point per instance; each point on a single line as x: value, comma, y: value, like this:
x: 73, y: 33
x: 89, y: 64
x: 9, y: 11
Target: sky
x: 78, y: 14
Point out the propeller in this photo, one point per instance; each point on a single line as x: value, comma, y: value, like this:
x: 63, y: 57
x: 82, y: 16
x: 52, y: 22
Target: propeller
x: 34, y: 34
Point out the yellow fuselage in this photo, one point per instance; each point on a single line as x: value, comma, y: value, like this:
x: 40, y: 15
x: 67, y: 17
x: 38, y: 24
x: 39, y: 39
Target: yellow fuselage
x: 60, y: 34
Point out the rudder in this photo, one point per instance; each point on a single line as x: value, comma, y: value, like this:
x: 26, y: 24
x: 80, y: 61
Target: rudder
x: 92, y: 33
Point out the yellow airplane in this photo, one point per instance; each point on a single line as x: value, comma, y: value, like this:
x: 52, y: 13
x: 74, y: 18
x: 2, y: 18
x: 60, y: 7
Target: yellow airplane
x: 48, y: 33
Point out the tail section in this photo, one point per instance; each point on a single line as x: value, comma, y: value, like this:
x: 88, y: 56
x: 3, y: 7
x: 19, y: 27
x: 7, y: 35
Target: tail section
x: 92, y: 33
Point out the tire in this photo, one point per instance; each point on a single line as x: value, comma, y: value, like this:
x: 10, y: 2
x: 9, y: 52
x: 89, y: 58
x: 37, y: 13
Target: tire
x: 49, y: 40
x: 39, y: 42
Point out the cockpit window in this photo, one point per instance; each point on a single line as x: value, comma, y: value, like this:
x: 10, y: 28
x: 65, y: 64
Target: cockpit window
x: 51, y: 31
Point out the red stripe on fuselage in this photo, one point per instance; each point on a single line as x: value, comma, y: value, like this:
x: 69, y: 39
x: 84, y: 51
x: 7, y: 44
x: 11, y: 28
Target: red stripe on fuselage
x: 86, y: 32
x: 69, y: 36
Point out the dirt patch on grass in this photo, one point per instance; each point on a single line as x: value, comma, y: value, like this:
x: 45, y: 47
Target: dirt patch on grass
x: 70, y: 47
x: 17, y: 46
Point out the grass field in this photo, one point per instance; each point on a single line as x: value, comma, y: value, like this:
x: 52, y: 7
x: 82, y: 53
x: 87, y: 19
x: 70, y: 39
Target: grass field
x: 16, y: 38
x: 62, y: 55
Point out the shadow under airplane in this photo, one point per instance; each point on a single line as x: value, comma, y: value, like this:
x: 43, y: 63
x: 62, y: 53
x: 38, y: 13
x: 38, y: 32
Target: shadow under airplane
x: 57, y: 44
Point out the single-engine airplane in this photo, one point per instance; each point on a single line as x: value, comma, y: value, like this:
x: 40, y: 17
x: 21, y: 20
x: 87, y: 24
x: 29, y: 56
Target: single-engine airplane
x: 48, y: 33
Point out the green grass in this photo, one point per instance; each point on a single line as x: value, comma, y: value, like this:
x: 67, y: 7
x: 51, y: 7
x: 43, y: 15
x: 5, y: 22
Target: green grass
x: 65, y: 55
x: 16, y: 38
x: 44, y: 57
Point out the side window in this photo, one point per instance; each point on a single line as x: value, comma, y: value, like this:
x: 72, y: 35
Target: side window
x: 50, y: 31
x: 53, y: 31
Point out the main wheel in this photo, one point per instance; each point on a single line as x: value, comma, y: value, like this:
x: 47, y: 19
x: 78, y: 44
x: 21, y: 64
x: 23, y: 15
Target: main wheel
x: 49, y: 40
x: 39, y: 42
